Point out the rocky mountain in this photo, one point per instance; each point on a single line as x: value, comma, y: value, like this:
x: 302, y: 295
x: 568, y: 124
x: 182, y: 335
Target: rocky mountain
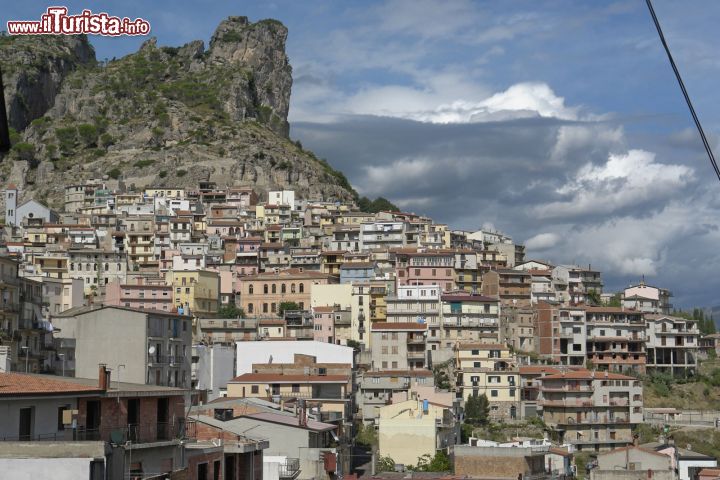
x: 162, y: 116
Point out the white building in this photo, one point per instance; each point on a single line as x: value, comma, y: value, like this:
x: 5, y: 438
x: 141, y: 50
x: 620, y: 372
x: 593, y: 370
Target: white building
x: 282, y: 351
x: 283, y: 197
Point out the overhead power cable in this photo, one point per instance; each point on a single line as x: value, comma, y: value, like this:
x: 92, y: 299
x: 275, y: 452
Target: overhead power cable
x: 705, y: 142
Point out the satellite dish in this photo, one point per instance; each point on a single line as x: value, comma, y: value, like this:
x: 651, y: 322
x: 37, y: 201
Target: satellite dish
x: 151, y: 350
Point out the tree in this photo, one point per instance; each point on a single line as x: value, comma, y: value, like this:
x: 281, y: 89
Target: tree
x: 285, y: 306
x: 439, y: 463
x: 230, y: 311
x: 614, y: 301
x: 442, y: 380
x: 593, y: 297
x: 385, y: 464
x: 477, y: 409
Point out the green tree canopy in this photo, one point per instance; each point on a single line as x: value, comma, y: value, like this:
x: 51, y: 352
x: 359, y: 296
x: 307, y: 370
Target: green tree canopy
x: 477, y: 409
x: 286, y: 306
x: 230, y: 311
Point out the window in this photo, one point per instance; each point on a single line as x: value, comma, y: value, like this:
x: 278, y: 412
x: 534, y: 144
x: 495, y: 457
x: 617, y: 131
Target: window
x: 265, y: 308
x: 296, y: 388
x: 274, y: 288
x: 292, y: 288
x: 282, y: 288
x: 254, y: 389
x: 493, y: 393
x: 302, y: 288
x: 475, y: 352
x: 250, y: 308
x: 265, y: 288
x: 250, y: 289
x: 512, y: 392
x: 273, y: 307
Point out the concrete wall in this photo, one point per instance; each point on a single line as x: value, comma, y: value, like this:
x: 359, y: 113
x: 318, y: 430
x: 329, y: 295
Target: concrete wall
x: 110, y: 336
x: 55, y: 468
x: 45, y: 417
x: 597, y: 474
x: 216, y: 366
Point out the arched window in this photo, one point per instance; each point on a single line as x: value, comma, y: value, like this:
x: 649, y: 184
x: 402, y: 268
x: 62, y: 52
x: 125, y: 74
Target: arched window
x: 282, y: 288
x: 274, y: 288
x: 265, y: 288
x: 292, y: 288
x: 265, y: 308
x: 302, y: 288
x: 250, y: 289
x: 250, y: 308
x: 272, y: 307
x: 107, y: 267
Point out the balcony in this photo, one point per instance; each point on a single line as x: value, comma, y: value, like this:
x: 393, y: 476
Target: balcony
x: 412, y: 355
x: 567, y: 388
x: 566, y: 403
x: 167, y: 360
x: 134, y: 433
x: 417, y: 340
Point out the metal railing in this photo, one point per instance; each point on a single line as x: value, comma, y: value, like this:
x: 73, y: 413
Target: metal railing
x: 135, y: 433
x: 290, y: 468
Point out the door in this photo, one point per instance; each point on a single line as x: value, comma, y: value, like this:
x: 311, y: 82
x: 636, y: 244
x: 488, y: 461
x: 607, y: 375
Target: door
x: 26, y: 423
x: 92, y: 421
x: 133, y: 418
x: 163, y: 418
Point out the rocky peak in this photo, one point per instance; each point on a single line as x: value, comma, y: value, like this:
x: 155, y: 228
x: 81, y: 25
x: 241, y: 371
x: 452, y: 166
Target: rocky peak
x: 34, y: 69
x: 260, y: 47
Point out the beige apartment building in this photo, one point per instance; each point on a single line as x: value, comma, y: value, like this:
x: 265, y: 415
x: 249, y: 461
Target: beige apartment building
x: 263, y: 293
x: 591, y: 410
x: 489, y: 369
x: 398, y: 346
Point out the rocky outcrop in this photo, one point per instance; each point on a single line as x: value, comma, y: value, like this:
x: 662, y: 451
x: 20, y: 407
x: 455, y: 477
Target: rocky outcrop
x: 261, y: 48
x: 175, y: 116
x: 34, y: 69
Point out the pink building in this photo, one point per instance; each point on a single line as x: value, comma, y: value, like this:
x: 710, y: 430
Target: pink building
x: 149, y: 293
x: 323, y: 324
x: 431, y: 267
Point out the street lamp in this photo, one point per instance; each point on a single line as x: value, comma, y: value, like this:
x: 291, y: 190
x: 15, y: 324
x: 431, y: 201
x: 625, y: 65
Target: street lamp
x: 27, y: 357
x: 63, y: 362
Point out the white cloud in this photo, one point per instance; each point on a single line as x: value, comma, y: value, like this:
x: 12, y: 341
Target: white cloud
x: 444, y: 100
x: 625, y: 181
x: 542, y: 241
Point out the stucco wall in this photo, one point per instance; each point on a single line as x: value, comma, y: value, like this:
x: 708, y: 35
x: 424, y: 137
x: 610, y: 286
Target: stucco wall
x: 55, y: 468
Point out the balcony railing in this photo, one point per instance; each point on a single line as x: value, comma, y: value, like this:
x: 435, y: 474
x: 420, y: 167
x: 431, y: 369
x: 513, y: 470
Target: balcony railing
x: 143, y: 433
x: 290, y: 468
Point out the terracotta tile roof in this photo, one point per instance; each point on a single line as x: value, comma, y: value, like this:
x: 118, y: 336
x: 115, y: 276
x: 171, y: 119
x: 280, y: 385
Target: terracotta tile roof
x: 280, y: 378
x: 16, y: 384
x: 398, y: 326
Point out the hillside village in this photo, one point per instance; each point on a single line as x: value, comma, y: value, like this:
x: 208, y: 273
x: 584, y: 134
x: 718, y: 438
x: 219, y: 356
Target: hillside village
x: 219, y: 332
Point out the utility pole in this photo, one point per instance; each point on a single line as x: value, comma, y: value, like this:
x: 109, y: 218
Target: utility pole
x: 4, y: 130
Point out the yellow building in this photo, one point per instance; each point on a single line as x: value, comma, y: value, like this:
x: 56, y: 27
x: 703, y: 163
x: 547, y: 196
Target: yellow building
x: 332, y: 389
x: 198, y: 291
x: 413, y: 428
x: 489, y: 369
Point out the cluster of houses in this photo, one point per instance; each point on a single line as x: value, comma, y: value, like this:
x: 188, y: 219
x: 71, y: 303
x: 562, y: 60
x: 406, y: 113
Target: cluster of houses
x: 212, y: 333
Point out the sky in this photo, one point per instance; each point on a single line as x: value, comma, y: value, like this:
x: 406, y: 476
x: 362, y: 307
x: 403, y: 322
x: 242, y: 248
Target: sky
x: 556, y: 122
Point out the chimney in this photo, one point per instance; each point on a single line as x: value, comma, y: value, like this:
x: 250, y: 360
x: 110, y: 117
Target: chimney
x: 103, y: 378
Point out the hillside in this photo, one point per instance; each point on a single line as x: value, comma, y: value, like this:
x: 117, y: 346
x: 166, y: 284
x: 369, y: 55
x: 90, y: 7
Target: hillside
x: 161, y: 116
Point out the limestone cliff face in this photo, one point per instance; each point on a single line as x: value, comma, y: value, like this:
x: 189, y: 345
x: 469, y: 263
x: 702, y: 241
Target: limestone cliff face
x: 34, y: 69
x: 169, y: 116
